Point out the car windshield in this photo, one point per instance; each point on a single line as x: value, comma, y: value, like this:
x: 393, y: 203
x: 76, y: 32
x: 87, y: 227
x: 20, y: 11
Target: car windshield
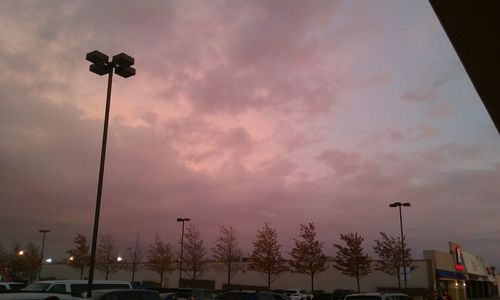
x: 37, y: 287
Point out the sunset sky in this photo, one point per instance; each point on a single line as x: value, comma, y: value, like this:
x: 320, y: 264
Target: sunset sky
x: 243, y: 112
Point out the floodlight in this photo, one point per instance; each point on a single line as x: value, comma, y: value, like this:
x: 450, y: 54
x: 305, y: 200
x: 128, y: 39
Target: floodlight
x: 123, y: 60
x: 97, y: 57
x: 125, y: 71
x: 99, y: 69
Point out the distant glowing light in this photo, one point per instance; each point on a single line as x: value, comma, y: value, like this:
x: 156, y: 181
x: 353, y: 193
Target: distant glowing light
x: 48, y: 260
x: 119, y: 258
x: 71, y: 258
x: 20, y: 252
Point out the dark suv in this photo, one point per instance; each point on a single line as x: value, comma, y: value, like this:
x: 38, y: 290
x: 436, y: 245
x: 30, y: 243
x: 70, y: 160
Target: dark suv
x: 253, y: 295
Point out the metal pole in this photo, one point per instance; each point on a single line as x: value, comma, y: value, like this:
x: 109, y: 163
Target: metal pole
x: 134, y: 262
x: 43, y: 247
x: 99, y: 186
x: 182, y: 246
x: 402, y: 245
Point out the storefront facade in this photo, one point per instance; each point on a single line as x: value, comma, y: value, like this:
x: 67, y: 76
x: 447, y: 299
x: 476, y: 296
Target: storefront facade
x: 461, y: 274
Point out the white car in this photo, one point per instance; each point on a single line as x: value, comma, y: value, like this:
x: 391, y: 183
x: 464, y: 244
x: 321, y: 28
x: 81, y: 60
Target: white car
x: 296, y: 294
x: 75, y: 286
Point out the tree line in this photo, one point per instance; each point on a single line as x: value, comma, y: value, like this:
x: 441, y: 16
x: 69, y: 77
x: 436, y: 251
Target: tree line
x: 306, y: 257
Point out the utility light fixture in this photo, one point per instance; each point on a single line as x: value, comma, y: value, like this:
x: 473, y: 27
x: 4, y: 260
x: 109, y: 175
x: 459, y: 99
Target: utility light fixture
x: 399, y: 205
x: 396, y: 204
x: 121, y: 64
x: 182, y: 220
x: 101, y: 65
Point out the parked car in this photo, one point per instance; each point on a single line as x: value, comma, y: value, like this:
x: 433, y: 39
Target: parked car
x: 167, y: 296
x: 253, y: 295
x: 193, y: 294
x: 296, y: 294
x: 122, y: 294
x: 20, y: 295
x: 6, y: 287
x: 339, y: 294
x: 75, y: 287
x: 377, y: 296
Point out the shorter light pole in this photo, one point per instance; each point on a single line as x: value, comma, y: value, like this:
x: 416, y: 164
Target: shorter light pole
x: 44, y: 231
x: 399, y: 205
x: 182, y: 245
x: 134, y: 262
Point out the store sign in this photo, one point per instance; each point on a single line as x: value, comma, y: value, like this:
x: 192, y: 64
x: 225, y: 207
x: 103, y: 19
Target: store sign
x: 459, y: 258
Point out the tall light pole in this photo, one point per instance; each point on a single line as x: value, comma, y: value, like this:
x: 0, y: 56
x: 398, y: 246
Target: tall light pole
x: 44, y: 232
x: 121, y: 65
x: 399, y: 205
x: 182, y: 245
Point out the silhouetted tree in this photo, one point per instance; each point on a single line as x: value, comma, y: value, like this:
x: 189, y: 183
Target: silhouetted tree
x: 4, y: 262
x: 79, y: 254
x: 135, y: 255
x: 389, y: 251
x: 160, y: 258
x: 266, y: 255
x: 350, y: 259
x: 307, y: 255
x: 22, y: 260
x: 227, y: 252
x: 106, y: 256
x: 195, y: 254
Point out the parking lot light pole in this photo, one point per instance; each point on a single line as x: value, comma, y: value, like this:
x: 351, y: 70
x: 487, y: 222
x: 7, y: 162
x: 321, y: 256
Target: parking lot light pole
x: 399, y: 205
x: 182, y: 246
x: 121, y: 65
x: 44, y: 232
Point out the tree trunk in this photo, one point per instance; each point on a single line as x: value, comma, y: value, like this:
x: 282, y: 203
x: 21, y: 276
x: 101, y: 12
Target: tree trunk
x: 161, y: 279
x: 81, y: 273
x: 399, y: 278
x: 269, y: 280
x: 312, y: 281
x: 357, y: 277
x: 229, y: 267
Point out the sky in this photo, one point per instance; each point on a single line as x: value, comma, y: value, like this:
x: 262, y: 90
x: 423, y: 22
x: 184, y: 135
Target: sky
x: 243, y: 112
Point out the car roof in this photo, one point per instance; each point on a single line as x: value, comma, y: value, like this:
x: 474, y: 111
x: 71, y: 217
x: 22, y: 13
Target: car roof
x: 83, y: 281
x: 102, y: 292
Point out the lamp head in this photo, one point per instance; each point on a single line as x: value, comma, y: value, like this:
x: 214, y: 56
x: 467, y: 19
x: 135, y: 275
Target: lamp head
x: 97, y: 57
x: 125, y: 72
x: 100, y: 69
x: 123, y: 60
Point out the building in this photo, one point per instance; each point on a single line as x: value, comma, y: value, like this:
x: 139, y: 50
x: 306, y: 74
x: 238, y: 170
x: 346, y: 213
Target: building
x: 461, y: 274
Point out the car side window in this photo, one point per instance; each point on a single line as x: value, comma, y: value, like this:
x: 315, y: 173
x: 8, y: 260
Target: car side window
x: 58, y: 288
x: 3, y: 288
